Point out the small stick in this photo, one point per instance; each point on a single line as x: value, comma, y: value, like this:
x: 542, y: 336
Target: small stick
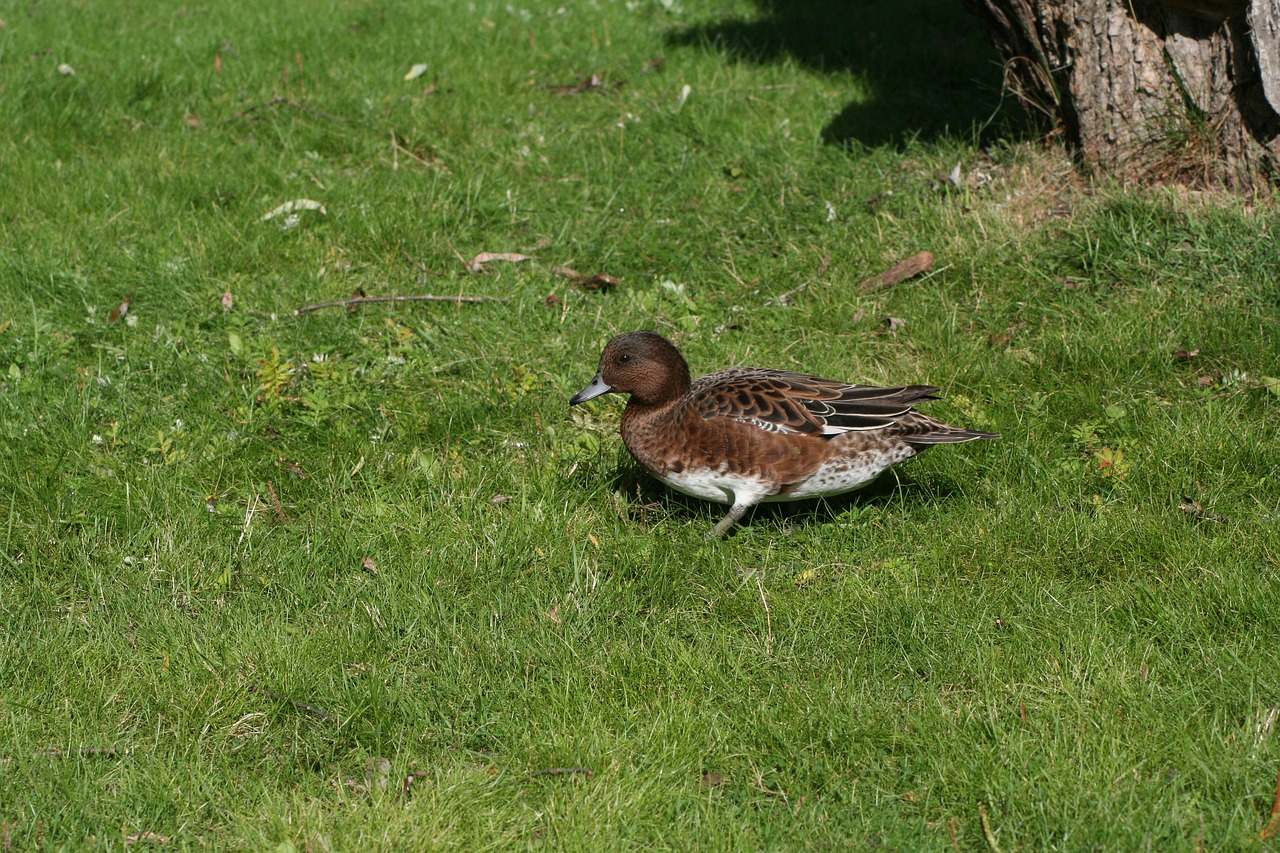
x: 301, y: 706
x: 563, y: 771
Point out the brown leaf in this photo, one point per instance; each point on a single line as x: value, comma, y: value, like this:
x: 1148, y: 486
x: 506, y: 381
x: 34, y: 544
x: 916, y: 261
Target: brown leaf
x: 228, y: 301
x: 369, y: 566
x: 1071, y: 282
x: 712, y: 779
x: 910, y: 268
x: 118, y: 314
x: 598, y: 281
x: 1186, y: 354
x: 217, y: 62
x: 554, y: 613
x: 477, y: 264
x: 191, y: 119
x: 499, y: 500
x: 553, y: 302
x: 358, y: 293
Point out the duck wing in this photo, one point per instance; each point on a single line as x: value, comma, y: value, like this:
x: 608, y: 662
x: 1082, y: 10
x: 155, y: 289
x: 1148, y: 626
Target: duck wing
x: 780, y: 401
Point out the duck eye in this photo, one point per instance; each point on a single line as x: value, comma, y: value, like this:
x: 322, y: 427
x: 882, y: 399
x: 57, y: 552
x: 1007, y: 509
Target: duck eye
x: 624, y: 357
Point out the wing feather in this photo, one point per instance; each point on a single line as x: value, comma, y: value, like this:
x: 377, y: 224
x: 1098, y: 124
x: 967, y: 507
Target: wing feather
x: 798, y: 403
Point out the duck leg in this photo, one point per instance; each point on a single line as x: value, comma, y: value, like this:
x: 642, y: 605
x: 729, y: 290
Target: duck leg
x: 731, y: 518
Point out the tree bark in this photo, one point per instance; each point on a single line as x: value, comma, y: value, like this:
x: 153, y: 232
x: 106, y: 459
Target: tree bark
x: 1179, y: 90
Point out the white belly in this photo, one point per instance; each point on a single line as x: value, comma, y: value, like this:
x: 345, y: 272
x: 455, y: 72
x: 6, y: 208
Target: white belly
x: 833, y: 478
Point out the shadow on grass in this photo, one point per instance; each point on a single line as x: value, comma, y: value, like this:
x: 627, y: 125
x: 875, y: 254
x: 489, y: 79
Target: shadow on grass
x: 650, y: 500
x: 928, y: 66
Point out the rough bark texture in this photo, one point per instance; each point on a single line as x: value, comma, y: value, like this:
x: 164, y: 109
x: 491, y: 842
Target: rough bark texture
x: 1184, y: 90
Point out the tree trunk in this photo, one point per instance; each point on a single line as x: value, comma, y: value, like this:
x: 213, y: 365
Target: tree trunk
x: 1180, y: 90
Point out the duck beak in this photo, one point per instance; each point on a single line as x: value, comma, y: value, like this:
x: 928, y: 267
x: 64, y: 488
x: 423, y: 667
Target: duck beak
x: 593, y: 390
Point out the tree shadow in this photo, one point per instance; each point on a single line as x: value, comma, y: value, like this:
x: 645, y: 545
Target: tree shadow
x: 929, y: 68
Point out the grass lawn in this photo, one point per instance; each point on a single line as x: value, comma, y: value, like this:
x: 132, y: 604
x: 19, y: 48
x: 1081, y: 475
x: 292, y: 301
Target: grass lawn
x: 360, y: 580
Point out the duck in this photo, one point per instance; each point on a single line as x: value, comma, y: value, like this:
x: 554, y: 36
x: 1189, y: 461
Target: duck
x: 748, y: 435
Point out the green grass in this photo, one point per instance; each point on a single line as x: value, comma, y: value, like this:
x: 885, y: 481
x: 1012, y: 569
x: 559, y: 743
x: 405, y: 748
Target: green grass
x: 194, y: 652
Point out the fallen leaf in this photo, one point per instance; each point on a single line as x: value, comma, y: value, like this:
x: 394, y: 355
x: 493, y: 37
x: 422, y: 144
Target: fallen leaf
x: 217, y: 63
x: 598, y: 281
x: 500, y: 500
x: 910, y: 268
x: 358, y: 293
x: 416, y: 71
x: 712, y: 779
x: 552, y: 302
x: 893, y: 324
x: 228, y: 301
x: 1272, y: 384
x: 294, y: 206
x: 1071, y: 282
x: 119, y: 313
x: 554, y: 613
x: 192, y: 120
x: 477, y: 263
x: 66, y: 70
x: 1184, y: 354
x: 369, y: 565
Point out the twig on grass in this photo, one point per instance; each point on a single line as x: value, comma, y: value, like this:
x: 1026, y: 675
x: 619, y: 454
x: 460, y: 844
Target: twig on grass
x: 277, y: 101
x: 301, y: 706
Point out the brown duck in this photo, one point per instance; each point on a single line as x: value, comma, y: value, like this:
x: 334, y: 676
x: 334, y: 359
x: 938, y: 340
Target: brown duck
x: 746, y: 435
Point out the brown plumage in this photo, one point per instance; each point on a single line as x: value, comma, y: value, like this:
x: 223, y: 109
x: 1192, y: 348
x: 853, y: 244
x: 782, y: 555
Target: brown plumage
x: 746, y: 435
